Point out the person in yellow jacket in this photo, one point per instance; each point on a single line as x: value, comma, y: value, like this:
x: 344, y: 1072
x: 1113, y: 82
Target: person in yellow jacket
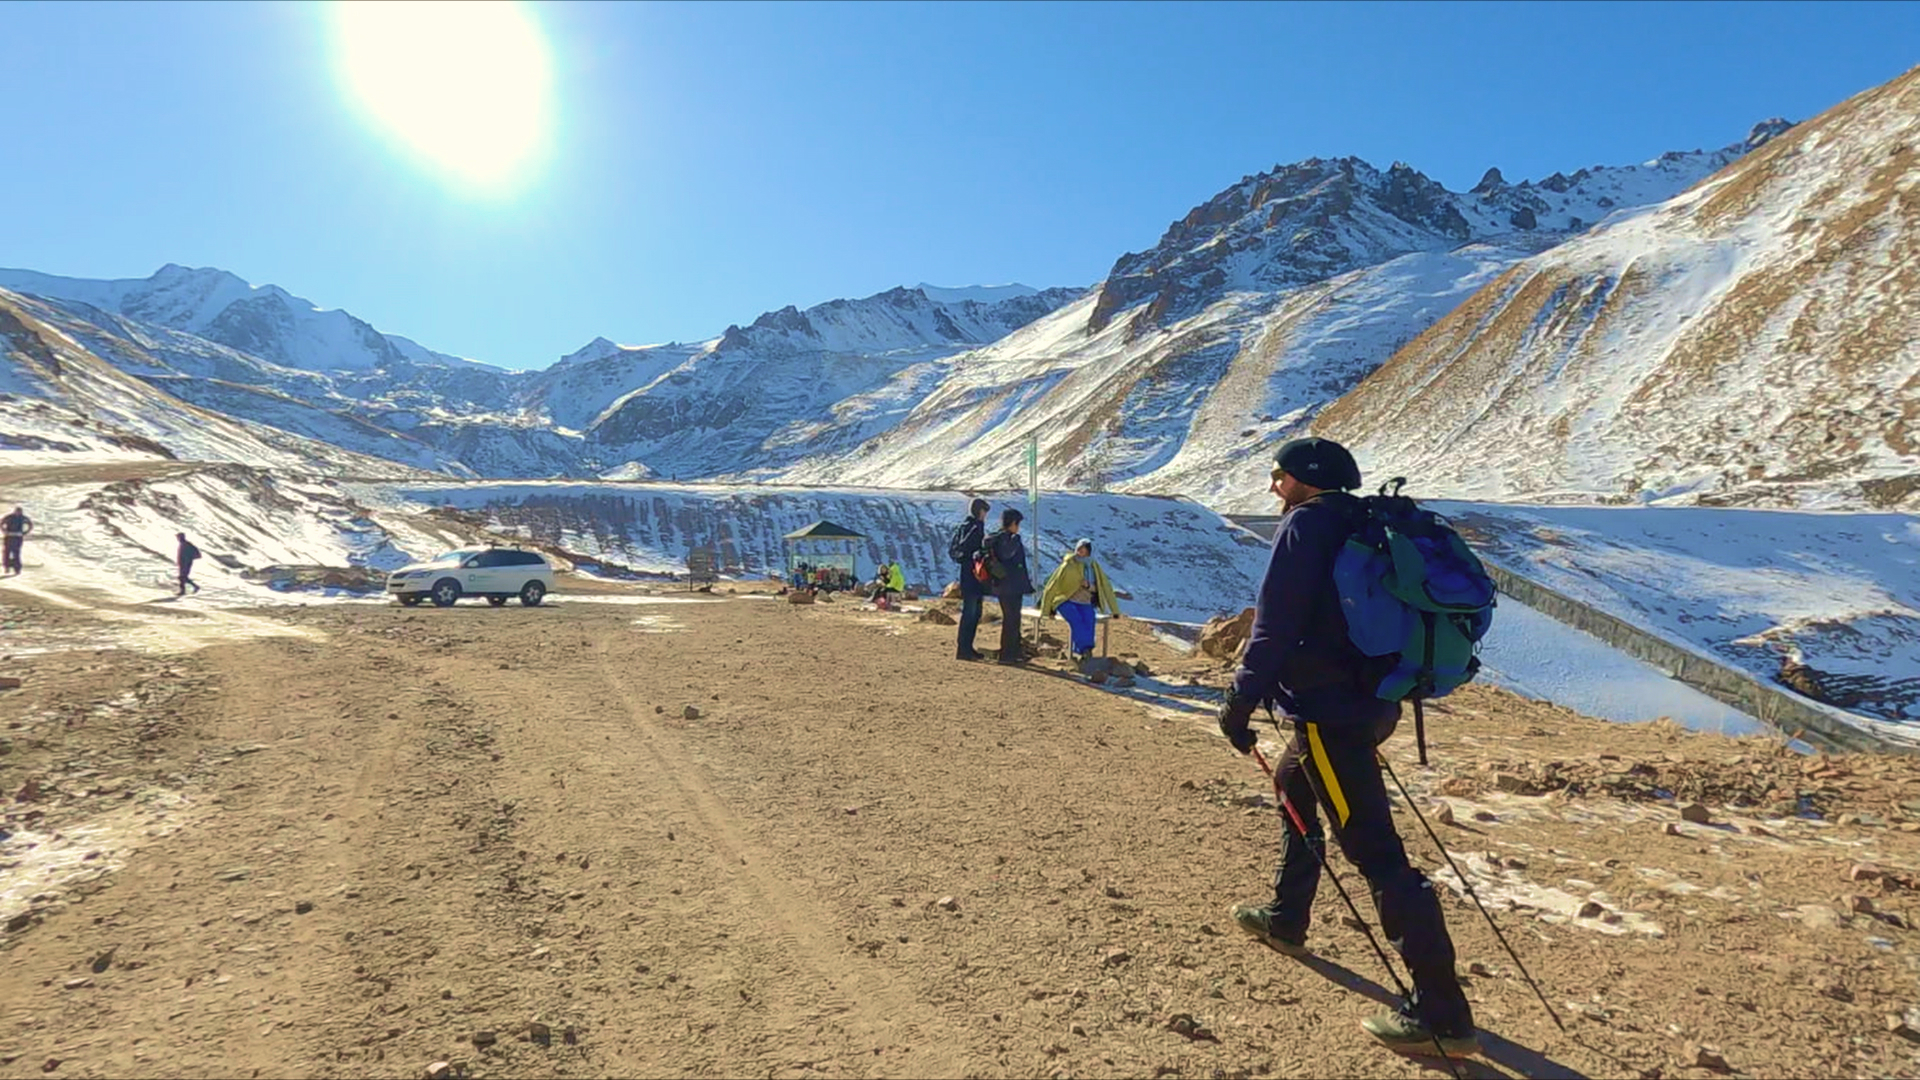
x: 896, y: 578
x: 1078, y: 590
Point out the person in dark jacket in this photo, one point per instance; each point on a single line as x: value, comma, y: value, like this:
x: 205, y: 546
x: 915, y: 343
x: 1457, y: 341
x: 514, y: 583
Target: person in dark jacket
x: 13, y: 535
x: 187, y: 554
x: 1011, y: 582
x: 968, y: 542
x: 1299, y: 658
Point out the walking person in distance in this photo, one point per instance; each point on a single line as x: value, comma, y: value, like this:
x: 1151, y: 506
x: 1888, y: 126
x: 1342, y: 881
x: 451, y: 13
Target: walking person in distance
x: 13, y: 536
x: 184, y: 559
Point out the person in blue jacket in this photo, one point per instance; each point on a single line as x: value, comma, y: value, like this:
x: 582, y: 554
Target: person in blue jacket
x: 1299, y: 659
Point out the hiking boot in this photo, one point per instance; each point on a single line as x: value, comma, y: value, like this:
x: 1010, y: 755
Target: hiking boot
x: 1408, y: 1034
x: 1258, y: 924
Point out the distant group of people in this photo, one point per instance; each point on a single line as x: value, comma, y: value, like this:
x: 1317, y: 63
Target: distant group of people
x: 995, y: 564
x: 821, y: 578
x: 15, y: 527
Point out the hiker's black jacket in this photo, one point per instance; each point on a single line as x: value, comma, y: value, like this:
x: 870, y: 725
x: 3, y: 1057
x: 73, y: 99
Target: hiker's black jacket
x: 1299, y: 655
x: 973, y: 537
x: 1010, y: 559
x: 188, y: 553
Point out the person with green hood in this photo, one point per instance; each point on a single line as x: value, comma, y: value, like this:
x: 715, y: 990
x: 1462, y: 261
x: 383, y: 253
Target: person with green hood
x: 896, y: 578
x: 1079, y: 590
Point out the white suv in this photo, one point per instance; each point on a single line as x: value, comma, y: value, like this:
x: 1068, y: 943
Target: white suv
x: 497, y: 573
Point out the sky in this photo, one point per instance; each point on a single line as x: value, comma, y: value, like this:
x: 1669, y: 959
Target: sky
x: 701, y: 163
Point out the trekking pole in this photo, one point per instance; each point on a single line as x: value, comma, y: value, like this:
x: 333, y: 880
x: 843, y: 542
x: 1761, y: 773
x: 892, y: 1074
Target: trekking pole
x: 1300, y: 829
x: 1420, y: 730
x: 1467, y: 884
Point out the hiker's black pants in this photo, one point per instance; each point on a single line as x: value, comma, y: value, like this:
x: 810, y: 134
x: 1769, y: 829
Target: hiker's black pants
x: 970, y: 609
x: 12, y: 556
x: 1010, y: 624
x: 1333, y: 766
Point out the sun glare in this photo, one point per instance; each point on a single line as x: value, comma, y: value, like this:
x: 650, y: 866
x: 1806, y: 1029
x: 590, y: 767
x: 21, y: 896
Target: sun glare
x: 463, y: 86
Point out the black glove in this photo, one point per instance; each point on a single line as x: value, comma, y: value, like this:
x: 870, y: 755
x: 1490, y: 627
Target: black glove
x: 1234, y: 717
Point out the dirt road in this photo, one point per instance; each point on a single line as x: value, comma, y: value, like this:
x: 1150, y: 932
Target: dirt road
x: 714, y: 838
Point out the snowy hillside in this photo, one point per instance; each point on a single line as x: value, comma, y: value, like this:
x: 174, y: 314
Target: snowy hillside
x: 1179, y: 561
x: 1753, y: 341
x: 1826, y: 605
x: 1255, y: 311
x: 798, y: 382
x: 262, y: 320
x: 62, y: 403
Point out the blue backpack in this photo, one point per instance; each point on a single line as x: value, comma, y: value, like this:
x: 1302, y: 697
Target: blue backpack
x: 1416, y: 598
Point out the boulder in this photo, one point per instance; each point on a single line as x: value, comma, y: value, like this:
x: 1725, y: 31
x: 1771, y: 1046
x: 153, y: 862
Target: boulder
x: 938, y: 617
x: 799, y: 596
x: 1223, y: 638
x: 951, y: 592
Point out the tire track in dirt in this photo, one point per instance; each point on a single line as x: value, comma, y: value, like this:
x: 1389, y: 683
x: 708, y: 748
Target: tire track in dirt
x: 871, y: 1010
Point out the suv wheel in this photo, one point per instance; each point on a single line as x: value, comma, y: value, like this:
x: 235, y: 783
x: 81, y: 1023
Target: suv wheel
x: 497, y: 601
x: 532, y: 593
x: 445, y: 592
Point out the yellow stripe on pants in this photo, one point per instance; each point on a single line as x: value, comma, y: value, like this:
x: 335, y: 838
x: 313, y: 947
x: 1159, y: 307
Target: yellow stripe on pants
x: 1329, y: 782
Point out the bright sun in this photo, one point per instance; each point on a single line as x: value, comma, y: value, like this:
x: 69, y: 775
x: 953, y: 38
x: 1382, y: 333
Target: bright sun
x: 463, y: 85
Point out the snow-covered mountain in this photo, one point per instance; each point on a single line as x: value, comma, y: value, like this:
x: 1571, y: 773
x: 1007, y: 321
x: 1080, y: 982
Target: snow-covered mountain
x: 61, y: 402
x: 1753, y: 341
x: 262, y: 355
x: 1253, y: 312
x: 802, y: 382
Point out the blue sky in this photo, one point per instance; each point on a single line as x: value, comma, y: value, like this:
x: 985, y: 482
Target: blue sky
x: 712, y: 161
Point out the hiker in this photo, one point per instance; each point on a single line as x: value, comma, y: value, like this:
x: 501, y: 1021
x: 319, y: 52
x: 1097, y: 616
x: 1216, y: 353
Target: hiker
x: 1079, y: 591
x: 185, y: 558
x: 1007, y: 566
x: 969, y: 540
x: 1300, y: 656
x: 896, y: 579
x: 13, y: 534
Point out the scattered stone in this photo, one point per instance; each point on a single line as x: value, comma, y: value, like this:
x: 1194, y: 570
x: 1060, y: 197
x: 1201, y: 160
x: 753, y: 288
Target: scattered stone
x: 440, y: 1070
x: 1209, y: 929
x: 10, y: 682
x: 238, y: 873
x: 947, y: 903
x: 19, y: 922
x: 540, y: 1033
x: 1115, y: 957
x: 302, y: 907
x: 1352, y: 923
x: 938, y: 617
x: 1897, y: 1025
x: 104, y: 961
x: 1513, y: 785
x: 800, y: 596
x: 1114, y: 893
x: 1695, y: 813
x: 1443, y: 813
x: 78, y: 984
x: 1707, y: 1057
x: 1590, y: 910
x: 1223, y: 638
x: 1078, y: 1029
x: 29, y: 791
x: 1479, y: 969
x: 1460, y: 787
x: 484, y: 1038
x: 1183, y: 1024
x: 1827, y: 987
x: 1864, y: 872
x: 1857, y: 904
x: 1141, y: 669
x: 951, y: 592
x: 1673, y: 830
x: 1819, y: 916
x: 1484, y: 815
x: 690, y: 713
